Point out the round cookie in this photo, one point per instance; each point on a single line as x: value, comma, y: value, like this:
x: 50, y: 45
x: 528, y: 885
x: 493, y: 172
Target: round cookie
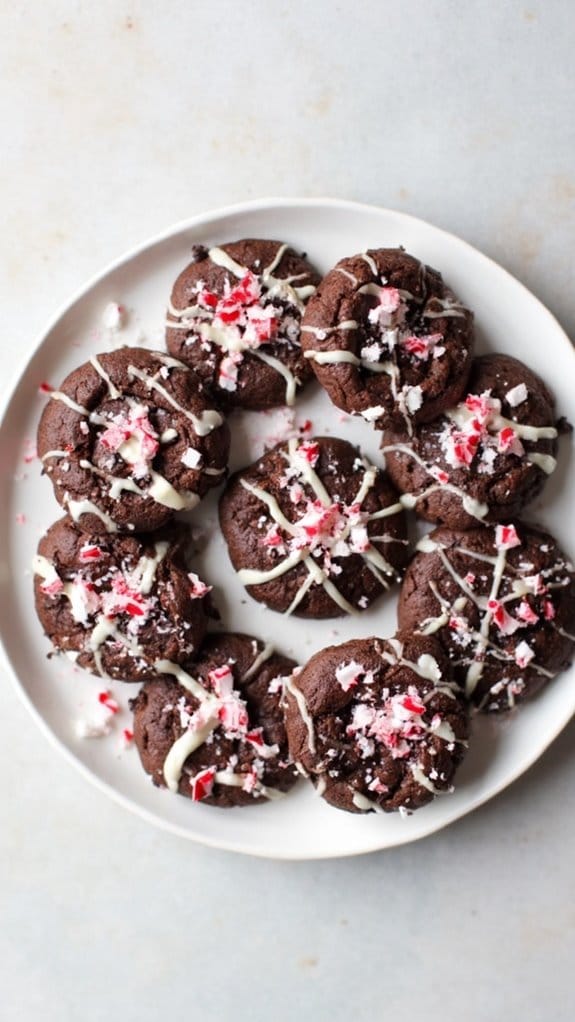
x: 213, y: 730
x: 377, y: 723
x: 486, y: 458
x: 116, y: 604
x: 502, y: 602
x: 129, y: 439
x: 388, y: 339
x: 313, y: 529
x: 234, y: 317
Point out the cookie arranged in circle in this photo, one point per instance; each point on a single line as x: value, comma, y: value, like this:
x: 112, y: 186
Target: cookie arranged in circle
x: 502, y: 602
x: 486, y: 458
x: 377, y: 723
x: 234, y: 317
x: 118, y: 603
x: 213, y: 730
x: 313, y: 529
x: 129, y: 439
x: 387, y: 339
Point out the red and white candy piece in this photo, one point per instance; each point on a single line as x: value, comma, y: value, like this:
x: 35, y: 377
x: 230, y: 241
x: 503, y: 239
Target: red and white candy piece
x: 348, y: 675
x: 202, y: 784
x: 506, y: 537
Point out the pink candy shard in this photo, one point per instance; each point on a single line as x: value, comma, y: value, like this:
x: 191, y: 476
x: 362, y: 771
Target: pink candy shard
x: 309, y: 450
x: 548, y: 610
x: 222, y: 681
x: 233, y: 716
x: 134, y: 424
x: 526, y: 613
x: 421, y: 347
x: 228, y: 371
x: 506, y: 537
x: 523, y: 654
x: 106, y: 699
x: 90, y: 552
x: 348, y: 675
x: 52, y: 587
x: 124, y: 600
x: 202, y: 784
x: 198, y: 588
x: 505, y: 623
x: 509, y: 443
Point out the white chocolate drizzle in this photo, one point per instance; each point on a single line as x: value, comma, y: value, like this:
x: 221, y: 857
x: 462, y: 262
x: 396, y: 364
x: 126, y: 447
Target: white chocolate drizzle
x: 203, y: 424
x: 261, y: 658
x: 304, y: 713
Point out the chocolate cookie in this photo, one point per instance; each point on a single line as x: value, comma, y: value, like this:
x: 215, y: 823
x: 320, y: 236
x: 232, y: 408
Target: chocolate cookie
x: 377, y: 724
x: 116, y: 604
x: 213, y: 730
x: 313, y: 529
x: 234, y: 317
x: 129, y: 439
x: 484, y: 459
x: 501, y: 601
x: 388, y: 339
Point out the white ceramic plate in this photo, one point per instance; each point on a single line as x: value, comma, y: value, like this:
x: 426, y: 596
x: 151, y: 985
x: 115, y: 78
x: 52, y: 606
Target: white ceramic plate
x: 509, y: 319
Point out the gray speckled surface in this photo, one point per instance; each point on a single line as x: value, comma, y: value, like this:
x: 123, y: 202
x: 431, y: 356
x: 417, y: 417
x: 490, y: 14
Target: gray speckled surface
x: 119, y: 119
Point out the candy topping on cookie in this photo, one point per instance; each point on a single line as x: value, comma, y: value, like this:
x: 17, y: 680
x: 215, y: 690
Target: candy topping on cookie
x: 215, y: 730
x: 507, y: 630
x: 243, y: 316
x: 377, y: 723
x: 453, y: 470
x: 302, y: 524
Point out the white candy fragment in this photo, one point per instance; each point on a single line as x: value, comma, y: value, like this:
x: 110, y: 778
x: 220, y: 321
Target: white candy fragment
x: 114, y: 317
x: 516, y: 395
x: 191, y: 458
x: 92, y: 728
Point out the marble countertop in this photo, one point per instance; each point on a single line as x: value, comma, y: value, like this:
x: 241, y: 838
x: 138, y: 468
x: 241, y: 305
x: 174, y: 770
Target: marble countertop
x: 120, y: 119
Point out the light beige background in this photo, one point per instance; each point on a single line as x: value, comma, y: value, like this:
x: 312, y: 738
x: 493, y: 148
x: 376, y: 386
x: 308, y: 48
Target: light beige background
x: 118, y: 119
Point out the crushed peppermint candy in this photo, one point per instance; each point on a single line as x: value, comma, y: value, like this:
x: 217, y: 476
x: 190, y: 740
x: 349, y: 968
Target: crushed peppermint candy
x: 132, y: 436
x: 476, y: 426
x: 191, y: 458
x: 198, y: 588
x: 505, y: 623
x: 396, y: 725
x: 526, y: 613
x: 422, y: 347
x: 523, y: 654
x: 390, y: 308
x: 517, y: 395
x: 106, y: 699
x: 309, y: 450
x: 114, y: 317
x: 228, y: 371
x: 90, y: 552
x: 348, y: 675
x: 506, y: 537
x: 202, y: 784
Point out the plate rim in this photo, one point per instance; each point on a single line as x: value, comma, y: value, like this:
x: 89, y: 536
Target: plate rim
x: 198, y: 220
